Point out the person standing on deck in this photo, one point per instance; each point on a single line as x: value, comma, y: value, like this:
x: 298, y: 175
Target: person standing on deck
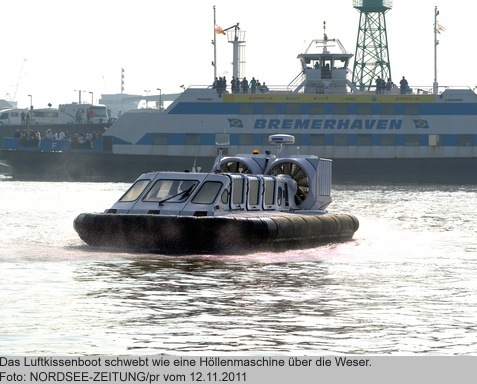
x: 90, y: 114
x: 253, y: 85
x: 244, y: 85
x: 404, y: 85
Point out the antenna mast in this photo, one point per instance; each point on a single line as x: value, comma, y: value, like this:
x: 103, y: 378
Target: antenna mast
x: 325, y: 39
x: 214, y: 43
x: 435, y: 85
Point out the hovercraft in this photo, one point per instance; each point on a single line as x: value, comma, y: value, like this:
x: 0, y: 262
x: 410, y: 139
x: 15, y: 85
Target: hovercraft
x: 247, y: 202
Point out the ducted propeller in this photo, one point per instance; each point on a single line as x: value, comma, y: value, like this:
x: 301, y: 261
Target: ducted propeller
x: 296, y: 172
x: 235, y: 167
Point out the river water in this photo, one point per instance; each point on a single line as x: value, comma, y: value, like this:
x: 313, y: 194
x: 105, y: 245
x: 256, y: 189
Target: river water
x: 405, y: 285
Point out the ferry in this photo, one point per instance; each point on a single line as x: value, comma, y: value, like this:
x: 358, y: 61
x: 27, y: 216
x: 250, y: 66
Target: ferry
x: 399, y: 134
x: 266, y: 202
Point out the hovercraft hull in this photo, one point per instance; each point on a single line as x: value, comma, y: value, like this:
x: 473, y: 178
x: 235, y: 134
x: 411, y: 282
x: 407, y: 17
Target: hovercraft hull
x: 213, y: 234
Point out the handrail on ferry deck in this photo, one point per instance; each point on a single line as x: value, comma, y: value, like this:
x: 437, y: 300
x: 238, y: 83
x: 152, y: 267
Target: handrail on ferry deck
x: 415, y: 89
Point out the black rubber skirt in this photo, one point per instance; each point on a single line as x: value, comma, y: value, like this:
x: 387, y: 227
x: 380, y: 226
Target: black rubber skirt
x: 213, y: 234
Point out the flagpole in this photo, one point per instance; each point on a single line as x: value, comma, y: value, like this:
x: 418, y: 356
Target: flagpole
x: 214, y: 42
x: 435, y: 86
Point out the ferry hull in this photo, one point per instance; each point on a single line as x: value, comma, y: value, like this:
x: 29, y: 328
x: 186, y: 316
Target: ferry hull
x: 69, y: 166
x: 458, y: 170
x: 213, y: 234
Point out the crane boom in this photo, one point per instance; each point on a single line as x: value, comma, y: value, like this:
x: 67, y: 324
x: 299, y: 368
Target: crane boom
x: 19, y: 78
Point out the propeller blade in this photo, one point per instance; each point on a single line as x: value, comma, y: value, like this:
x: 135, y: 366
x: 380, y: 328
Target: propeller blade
x: 296, y: 173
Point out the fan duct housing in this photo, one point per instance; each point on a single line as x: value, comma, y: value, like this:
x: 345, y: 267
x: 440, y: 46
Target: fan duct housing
x: 245, y: 164
x: 312, y: 176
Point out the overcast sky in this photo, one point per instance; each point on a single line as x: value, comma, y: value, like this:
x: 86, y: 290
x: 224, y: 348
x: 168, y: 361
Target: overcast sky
x: 53, y: 48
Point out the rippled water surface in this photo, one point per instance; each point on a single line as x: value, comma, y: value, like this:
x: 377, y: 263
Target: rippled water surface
x: 406, y: 283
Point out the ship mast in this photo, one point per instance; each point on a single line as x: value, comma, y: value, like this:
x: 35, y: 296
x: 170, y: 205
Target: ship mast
x: 236, y: 37
x: 435, y: 85
x: 371, y: 57
x: 214, y: 43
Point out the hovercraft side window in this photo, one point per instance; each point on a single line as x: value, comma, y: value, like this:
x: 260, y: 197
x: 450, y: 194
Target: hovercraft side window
x: 225, y: 196
x: 269, y: 194
x: 207, y: 193
x: 237, y: 191
x: 254, y: 192
x: 135, y: 191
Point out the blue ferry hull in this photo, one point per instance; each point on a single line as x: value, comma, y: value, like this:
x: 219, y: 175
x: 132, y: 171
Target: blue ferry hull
x: 70, y: 166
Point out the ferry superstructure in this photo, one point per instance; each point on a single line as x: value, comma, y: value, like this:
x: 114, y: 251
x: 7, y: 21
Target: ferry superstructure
x: 412, y: 134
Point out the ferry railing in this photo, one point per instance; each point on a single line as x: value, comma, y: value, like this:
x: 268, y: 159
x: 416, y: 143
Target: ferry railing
x: 351, y: 88
x: 298, y: 82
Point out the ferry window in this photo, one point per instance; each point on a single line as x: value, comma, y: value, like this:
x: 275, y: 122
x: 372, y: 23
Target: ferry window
x: 340, y: 140
x: 135, y: 190
x: 293, y: 109
x: 317, y: 140
x: 340, y: 109
x: 253, y: 191
x: 464, y: 140
x: 159, y: 139
x: 246, y: 139
x: 411, y: 109
x: 364, y: 140
x: 245, y: 109
x: 269, y: 195
x: 45, y: 114
x: 388, y: 109
x: 166, y: 189
x: 192, y: 139
x: 364, y: 109
x: 279, y: 196
x: 237, y: 191
x: 222, y: 139
x: 317, y: 109
x: 270, y: 109
x: 435, y: 140
x: 207, y: 194
x: 388, y: 140
x: 411, y: 140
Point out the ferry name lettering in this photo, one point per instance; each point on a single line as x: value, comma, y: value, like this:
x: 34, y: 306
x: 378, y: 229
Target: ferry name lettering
x: 333, y: 124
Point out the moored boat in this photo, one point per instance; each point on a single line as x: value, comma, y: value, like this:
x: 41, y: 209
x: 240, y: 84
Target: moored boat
x: 247, y: 203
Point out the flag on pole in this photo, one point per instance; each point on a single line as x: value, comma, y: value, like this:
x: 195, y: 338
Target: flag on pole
x: 219, y: 30
x: 440, y: 27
